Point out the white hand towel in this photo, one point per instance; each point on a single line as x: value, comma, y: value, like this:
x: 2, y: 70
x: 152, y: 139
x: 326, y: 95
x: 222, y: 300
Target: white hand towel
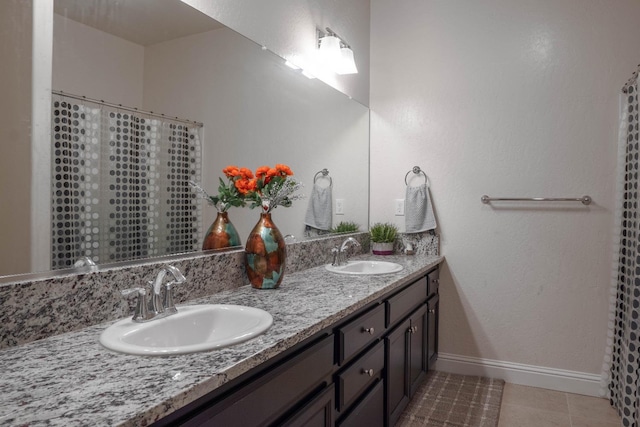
x: 418, y: 210
x: 319, y: 212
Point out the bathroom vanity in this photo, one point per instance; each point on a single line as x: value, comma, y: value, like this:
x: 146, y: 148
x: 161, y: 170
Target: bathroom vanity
x: 342, y: 350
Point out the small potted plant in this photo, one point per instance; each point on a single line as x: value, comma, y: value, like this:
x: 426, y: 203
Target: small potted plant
x: 383, y: 237
x: 346, y: 227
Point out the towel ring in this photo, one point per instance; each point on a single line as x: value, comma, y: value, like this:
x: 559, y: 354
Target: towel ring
x: 325, y: 174
x: 417, y: 171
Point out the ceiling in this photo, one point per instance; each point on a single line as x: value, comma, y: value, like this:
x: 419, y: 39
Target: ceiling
x: 144, y: 22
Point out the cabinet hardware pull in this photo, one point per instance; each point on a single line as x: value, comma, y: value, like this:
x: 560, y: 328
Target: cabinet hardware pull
x: 432, y: 310
x: 413, y: 329
x: 370, y: 330
x: 369, y: 372
x: 436, y: 281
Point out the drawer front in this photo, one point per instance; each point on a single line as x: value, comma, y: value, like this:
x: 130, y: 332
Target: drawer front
x: 317, y: 413
x: 407, y: 300
x: 265, y: 399
x: 360, y: 332
x: 434, y: 282
x: 369, y: 412
x: 362, y: 373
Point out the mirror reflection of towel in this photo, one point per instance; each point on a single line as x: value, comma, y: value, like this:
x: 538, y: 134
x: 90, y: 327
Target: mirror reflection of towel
x: 319, y: 212
x: 418, y: 210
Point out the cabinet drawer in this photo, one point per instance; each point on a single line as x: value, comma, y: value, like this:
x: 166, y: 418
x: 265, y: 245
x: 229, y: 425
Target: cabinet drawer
x: 360, y: 332
x: 317, y: 413
x: 357, y: 377
x: 263, y: 400
x: 434, y: 282
x: 369, y: 412
x: 406, y: 300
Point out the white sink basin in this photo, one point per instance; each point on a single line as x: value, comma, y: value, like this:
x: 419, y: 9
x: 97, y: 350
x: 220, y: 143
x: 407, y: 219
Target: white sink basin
x: 366, y: 267
x: 194, y: 328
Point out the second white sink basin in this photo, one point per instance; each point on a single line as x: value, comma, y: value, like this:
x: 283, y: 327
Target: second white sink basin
x: 366, y: 267
x: 194, y: 328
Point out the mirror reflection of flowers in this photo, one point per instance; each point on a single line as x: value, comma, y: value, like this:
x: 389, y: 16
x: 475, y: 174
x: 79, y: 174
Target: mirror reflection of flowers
x: 270, y: 188
x: 228, y: 193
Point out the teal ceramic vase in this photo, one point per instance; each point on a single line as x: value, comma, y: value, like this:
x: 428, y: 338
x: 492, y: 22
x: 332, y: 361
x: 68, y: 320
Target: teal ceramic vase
x: 265, y: 254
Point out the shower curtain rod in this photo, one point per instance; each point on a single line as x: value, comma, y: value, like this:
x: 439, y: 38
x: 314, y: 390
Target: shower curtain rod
x: 632, y: 80
x: 122, y: 107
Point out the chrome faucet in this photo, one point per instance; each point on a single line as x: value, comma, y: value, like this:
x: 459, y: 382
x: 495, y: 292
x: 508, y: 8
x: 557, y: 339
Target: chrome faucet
x: 157, y: 308
x: 339, y: 257
x: 87, y: 262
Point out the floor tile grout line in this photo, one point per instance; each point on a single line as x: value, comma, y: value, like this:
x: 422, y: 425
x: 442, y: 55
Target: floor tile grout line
x: 566, y: 399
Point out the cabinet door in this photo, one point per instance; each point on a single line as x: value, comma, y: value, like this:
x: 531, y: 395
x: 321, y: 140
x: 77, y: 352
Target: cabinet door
x: 433, y: 313
x: 318, y: 413
x: 396, y: 350
x: 417, y: 348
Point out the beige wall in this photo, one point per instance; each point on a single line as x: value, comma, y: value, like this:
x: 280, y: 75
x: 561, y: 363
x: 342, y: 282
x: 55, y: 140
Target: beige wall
x: 96, y: 64
x: 508, y: 99
x: 15, y: 134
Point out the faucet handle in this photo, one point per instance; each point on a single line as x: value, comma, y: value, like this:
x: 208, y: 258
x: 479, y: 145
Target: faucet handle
x: 336, y: 256
x: 169, y: 305
x: 142, y: 310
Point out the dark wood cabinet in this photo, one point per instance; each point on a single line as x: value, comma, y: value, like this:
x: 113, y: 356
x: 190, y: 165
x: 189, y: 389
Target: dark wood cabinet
x: 362, y: 371
x: 417, y: 363
x: 406, y: 361
x: 396, y: 376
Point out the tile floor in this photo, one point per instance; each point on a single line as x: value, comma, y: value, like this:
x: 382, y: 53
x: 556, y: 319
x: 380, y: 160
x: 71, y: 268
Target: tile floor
x: 537, y: 407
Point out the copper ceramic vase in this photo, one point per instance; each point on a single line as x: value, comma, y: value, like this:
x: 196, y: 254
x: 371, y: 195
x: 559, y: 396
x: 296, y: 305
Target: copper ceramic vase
x: 265, y: 254
x: 221, y: 234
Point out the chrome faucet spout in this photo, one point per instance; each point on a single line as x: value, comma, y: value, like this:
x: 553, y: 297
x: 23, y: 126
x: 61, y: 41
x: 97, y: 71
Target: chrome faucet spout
x: 347, y: 242
x: 339, y: 257
x: 177, y: 276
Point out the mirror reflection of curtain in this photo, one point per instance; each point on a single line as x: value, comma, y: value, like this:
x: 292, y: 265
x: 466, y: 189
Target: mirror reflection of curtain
x: 621, y: 370
x: 120, y: 184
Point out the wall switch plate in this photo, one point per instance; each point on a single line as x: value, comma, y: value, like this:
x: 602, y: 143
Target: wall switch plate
x: 399, y: 207
x: 339, y: 206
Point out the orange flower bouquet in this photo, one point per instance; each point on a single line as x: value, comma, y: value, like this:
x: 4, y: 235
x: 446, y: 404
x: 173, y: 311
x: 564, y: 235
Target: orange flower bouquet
x: 269, y: 188
x: 228, y: 192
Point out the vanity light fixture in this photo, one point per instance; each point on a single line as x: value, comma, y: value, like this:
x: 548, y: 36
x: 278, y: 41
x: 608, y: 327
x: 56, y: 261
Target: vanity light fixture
x: 335, y: 53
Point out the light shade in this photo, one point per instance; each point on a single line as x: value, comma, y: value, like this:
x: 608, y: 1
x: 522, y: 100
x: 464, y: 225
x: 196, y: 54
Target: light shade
x: 330, y: 53
x: 347, y: 64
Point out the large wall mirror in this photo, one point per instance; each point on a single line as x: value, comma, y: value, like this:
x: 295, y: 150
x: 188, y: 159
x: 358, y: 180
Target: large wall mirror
x: 168, y: 58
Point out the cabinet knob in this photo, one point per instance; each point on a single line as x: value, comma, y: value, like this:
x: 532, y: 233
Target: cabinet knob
x: 413, y: 329
x: 436, y: 281
x: 369, y: 372
x: 432, y: 310
x: 370, y: 330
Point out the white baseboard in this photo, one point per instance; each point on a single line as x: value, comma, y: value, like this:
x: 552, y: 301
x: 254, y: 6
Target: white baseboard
x: 517, y: 373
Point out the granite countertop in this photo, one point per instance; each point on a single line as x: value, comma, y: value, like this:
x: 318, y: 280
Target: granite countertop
x: 71, y: 380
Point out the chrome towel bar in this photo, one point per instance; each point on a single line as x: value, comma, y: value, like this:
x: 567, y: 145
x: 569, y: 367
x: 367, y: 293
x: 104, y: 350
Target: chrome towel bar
x: 585, y: 200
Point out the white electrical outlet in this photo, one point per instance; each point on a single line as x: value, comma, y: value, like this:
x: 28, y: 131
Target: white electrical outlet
x: 399, y: 210
x: 339, y: 206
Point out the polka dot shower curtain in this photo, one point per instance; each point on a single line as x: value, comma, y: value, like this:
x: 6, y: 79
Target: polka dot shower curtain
x: 120, y: 184
x: 622, y: 360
